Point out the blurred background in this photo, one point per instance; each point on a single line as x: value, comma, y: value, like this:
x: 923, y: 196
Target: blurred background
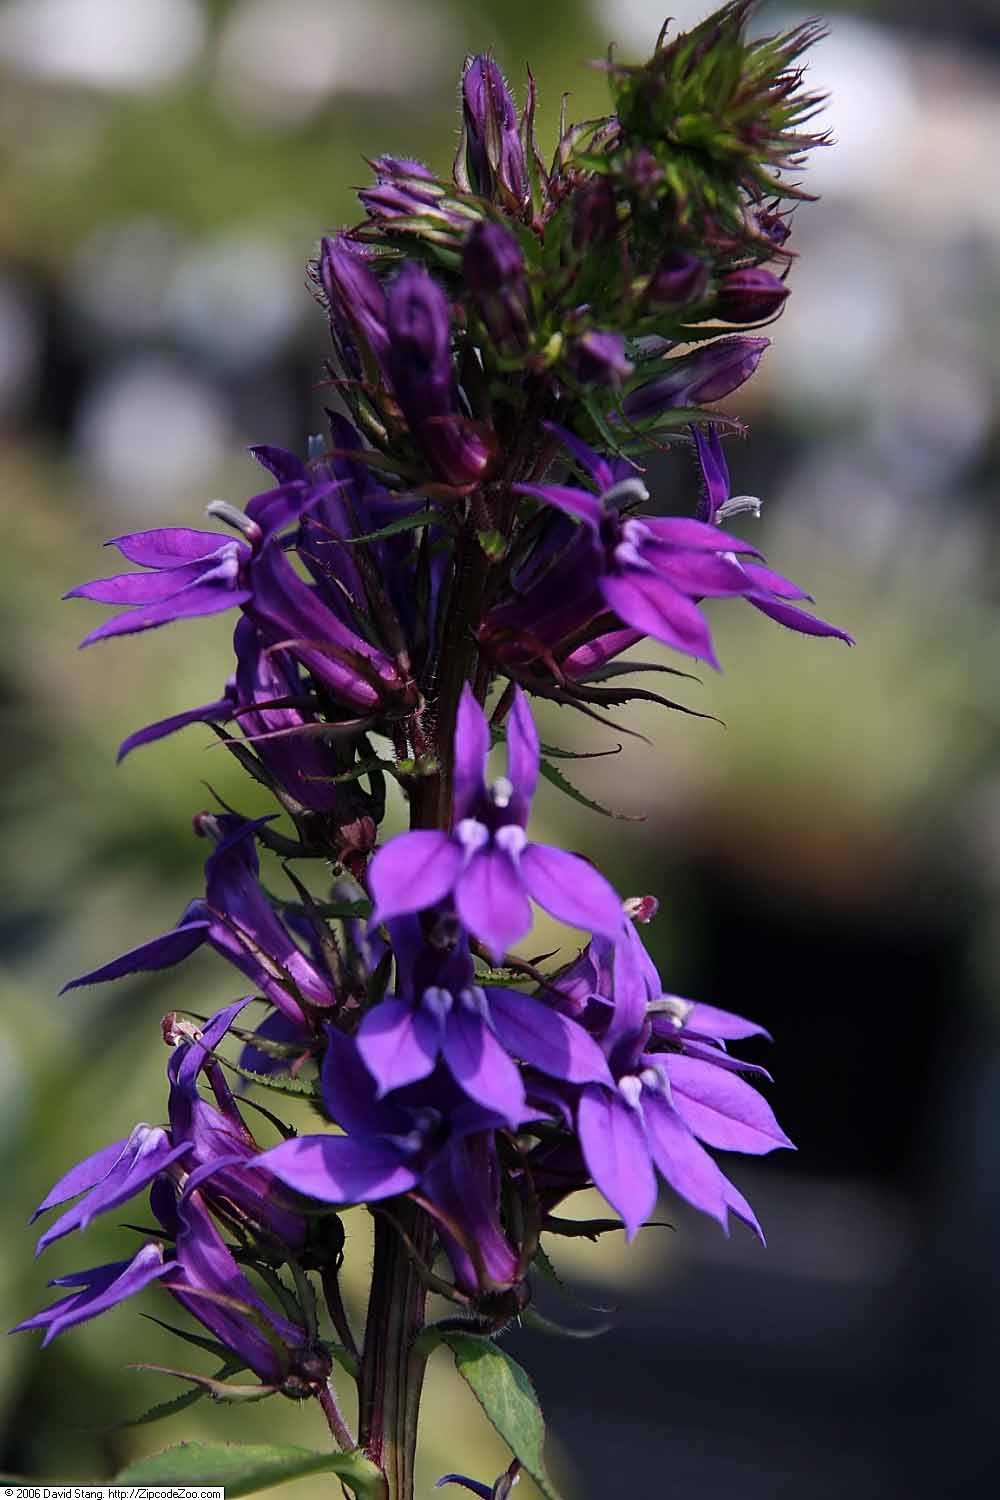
x: 828, y: 863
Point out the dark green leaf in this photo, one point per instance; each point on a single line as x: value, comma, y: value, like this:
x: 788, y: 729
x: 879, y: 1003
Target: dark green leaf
x: 405, y: 523
x: 556, y: 777
x: 245, y: 1468
x: 532, y: 1318
x: 278, y: 1083
x: 507, y: 1396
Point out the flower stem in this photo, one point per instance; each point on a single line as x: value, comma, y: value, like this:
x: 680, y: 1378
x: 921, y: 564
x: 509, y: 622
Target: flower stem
x: 334, y: 1420
x: 392, y: 1369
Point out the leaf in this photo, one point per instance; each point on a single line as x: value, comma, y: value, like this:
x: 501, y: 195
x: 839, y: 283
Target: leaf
x: 553, y: 774
x: 219, y: 1390
x: 532, y: 1318
x: 507, y: 1396
x: 245, y: 1468
x: 555, y: 752
x: 405, y: 523
x: 278, y: 1083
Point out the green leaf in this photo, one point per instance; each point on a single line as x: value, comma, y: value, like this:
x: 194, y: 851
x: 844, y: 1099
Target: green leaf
x: 532, y: 1318
x: 405, y: 523
x: 278, y: 1083
x: 245, y: 1468
x: 553, y: 774
x: 507, y: 1396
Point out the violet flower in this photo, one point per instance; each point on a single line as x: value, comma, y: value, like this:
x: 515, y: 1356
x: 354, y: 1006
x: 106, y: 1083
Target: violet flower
x: 486, y: 863
x: 440, y: 1012
x: 238, y: 921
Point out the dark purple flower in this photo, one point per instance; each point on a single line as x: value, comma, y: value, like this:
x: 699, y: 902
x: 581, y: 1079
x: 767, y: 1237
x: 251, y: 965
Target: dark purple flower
x: 486, y: 863
x: 767, y: 591
x: 440, y: 1012
x: 494, y: 152
x: 598, y: 358
x: 706, y: 374
x: 423, y: 378
x: 493, y: 271
x: 193, y: 573
x: 429, y: 1135
x: 238, y: 921
x: 97, y: 1291
x: 749, y: 295
x: 676, y: 1086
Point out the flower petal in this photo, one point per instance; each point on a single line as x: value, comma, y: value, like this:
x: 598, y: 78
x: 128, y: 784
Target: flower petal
x: 399, y: 1043
x: 798, y: 619
x: 472, y: 746
x: 491, y: 901
x: 413, y: 871
x: 571, y: 890
x: 523, y: 754
x: 159, y: 953
x: 687, y: 1167
x: 617, y: 1154
x: 546, y: 1040
x: 480, y: 1066
x: 339, y: 1169
x: 655, y: 607
x: 721, y: 1108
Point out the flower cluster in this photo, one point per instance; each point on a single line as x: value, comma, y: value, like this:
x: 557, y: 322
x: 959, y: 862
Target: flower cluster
x: 473, y: 528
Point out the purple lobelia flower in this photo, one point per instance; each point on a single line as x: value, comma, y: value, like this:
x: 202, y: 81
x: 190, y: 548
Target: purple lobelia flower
x: 748, y: 295
x: 429, y: 1135
x: 486, y: 863
x: 495, y: 155
x: 675, y: 1088
x: 767, y: 591
x: 440, y: 1012
x: 191, y: 573
x: 356, y: 303
x: 238, y: 921
x: 653, y: 572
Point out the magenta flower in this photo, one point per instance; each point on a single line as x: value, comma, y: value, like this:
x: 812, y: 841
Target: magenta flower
x: 486, y: 864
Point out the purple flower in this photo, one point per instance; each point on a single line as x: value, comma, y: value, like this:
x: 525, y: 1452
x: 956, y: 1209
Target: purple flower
x: 486, y: 863
x: 193, y: 573
x: 766, y: 591
x: 423, y: 378
x: 97, y: 1291
x: 494, y: 152
x: 428, y: 1135
x: 676, y: 1087
x: 440, y: 1012
x: 706, y: 374
x: 238, y: 921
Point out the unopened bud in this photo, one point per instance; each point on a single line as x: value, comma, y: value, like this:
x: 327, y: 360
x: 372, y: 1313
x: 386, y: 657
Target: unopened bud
x: 679, y: 279
x: 749, y: 295
x: 598, y: 358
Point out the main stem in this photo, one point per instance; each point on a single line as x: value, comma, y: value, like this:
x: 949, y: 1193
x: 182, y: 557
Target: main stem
x: 392, y: 1371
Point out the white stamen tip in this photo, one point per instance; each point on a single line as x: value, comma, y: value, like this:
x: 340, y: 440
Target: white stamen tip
x: 737, y: 505
x: 624, y: 490
x: 501, y: 792
x: 511, y: 839
x: 472, y: 835
x: 630, y: 1089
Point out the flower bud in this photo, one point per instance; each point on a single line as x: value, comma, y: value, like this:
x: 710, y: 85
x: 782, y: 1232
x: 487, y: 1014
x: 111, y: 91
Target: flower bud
x: 679, y: 279
x: 598, y: 358
x: 494, y: 154
x: 356, y: 302
x: 423, y: 378
x: 707, y: 374
x: 493, y: 268
x: 595, y: 214
x: 749, y: 295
